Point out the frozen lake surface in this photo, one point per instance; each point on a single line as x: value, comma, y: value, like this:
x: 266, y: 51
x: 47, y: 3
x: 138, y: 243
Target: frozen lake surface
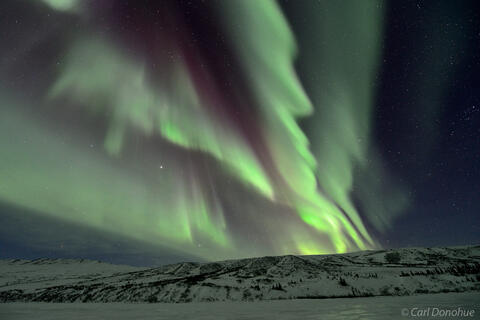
x: 345, y: 308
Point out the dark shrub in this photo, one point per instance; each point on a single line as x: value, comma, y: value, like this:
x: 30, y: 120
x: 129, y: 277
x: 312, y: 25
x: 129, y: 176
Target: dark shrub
x: 392, y: 257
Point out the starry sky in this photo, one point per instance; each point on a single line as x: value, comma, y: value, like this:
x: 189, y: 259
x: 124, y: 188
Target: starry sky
x: 148, y: 132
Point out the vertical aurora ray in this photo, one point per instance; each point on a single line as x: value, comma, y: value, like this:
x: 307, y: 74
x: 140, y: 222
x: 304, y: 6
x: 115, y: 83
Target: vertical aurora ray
x: 268, y: 60
x: 183, y: 160
x: 338, y: 63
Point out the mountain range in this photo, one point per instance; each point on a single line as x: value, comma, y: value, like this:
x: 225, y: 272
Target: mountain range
x: 407, y: 271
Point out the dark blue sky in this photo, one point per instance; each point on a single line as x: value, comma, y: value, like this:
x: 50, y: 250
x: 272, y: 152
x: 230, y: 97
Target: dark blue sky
x: 428, y: 119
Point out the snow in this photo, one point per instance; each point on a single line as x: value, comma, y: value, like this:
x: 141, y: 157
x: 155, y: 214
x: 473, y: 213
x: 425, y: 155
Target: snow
x: 26, y: 274
x: 372, y: 308
x: 420, y: 271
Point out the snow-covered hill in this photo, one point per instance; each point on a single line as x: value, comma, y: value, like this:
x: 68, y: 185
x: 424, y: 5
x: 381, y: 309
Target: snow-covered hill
x: 367, y: 273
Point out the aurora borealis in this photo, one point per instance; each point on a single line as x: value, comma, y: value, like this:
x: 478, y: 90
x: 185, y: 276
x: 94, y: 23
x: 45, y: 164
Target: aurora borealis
x: 216, y: 129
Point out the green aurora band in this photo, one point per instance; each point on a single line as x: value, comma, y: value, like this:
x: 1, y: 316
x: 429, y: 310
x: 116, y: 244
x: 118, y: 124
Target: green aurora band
x: 146, y: 181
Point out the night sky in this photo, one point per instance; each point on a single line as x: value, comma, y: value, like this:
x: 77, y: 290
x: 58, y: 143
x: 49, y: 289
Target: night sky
x: 147, y: 132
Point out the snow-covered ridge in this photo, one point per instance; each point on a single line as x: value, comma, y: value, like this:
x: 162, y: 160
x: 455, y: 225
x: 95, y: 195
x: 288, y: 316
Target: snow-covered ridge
x: 366, y: 273
x: 48, y: 261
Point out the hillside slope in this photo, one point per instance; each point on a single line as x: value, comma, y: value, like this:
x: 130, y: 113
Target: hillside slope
x: 420, y: 270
